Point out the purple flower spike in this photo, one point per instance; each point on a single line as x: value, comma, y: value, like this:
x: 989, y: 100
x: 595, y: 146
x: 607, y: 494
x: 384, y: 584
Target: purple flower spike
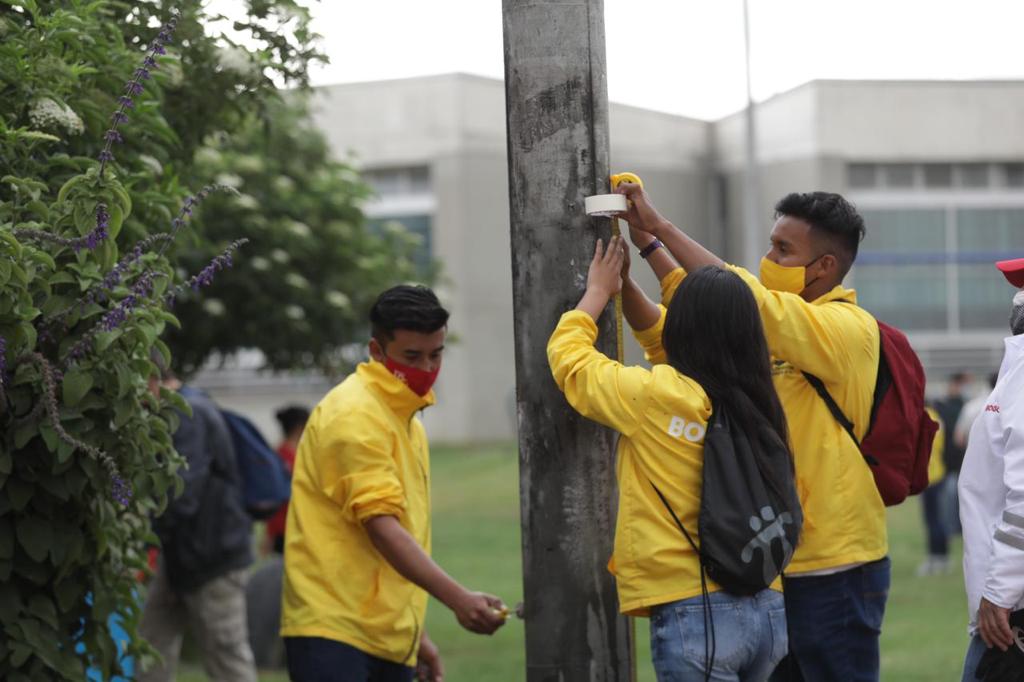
x: 133, y: 88
x: 120, y: 490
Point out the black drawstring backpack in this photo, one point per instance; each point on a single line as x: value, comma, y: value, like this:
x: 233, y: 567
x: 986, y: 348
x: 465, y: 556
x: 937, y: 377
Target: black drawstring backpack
x: 746, y: 530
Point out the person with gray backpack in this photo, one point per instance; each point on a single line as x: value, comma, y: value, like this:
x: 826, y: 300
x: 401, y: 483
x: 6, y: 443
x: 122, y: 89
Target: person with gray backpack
x: 708, y: 511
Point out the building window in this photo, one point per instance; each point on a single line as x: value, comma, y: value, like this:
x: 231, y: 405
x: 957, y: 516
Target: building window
x: 896, y: 277
x: 419, y: 226
x: 1013, y: 174
x: 861, y: 175
x: 898, y: 175
x: 400, y: 181
x: 983, y: 237
x: 932, y: 269
x: 938, y: 175
x: 973, y: 175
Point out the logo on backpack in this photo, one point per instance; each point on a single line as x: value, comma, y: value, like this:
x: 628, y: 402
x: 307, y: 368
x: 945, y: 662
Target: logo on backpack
x: 764, y: 539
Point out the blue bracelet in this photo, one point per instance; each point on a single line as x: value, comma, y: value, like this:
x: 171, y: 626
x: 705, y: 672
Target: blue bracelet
x: 650, y: 248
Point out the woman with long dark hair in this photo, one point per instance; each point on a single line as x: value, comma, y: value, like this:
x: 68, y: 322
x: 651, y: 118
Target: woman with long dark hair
x: 712, y: 357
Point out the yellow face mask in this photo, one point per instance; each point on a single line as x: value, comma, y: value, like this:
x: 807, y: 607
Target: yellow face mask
x: 782, y: 278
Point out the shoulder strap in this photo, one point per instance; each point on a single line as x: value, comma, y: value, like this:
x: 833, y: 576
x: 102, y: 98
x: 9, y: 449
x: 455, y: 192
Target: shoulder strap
x: 676, y: 519
x: 837, y: 413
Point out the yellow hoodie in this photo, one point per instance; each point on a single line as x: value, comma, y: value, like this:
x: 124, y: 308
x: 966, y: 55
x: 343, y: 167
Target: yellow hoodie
x: 363, y: 454
x: 662, y: 416
x: 837, y: 341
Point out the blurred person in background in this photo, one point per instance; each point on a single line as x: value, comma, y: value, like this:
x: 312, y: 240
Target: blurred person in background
x: 205, y: 538
x: 972, y: 408
x: 292, y: 420
x: 933, y: 499
x: 992, y: 512
x: 948, y: 408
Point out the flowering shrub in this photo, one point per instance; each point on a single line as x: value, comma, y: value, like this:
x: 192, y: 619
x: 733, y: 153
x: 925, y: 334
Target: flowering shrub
x: 85, y: 448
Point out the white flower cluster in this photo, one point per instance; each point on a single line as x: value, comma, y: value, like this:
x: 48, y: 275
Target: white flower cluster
x: 238, y: 61
x: 47, y: 114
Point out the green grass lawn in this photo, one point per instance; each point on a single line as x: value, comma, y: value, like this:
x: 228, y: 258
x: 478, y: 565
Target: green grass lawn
x: 476, y: 539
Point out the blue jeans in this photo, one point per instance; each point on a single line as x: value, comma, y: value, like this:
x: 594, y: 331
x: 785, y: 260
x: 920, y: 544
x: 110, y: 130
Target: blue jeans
x: 315, y: 659
x: 834, y: 625
x: 749, y: 637
x: 975, y: 650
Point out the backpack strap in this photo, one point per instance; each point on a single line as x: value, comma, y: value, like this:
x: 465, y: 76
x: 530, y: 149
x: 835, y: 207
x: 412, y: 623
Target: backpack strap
x: 837, y: 413
x: 676, y: 519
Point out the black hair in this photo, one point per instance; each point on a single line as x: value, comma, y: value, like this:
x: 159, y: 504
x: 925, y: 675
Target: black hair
x: 291, y: 418
x: 958, y: 377
x: 714, y: 335
x: 411, y: 307
x: 830, y: 216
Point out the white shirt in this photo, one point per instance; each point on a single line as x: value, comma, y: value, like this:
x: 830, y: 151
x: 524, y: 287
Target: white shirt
x: 991, y: 488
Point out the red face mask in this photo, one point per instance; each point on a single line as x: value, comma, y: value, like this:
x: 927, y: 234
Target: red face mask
x: 418, y: 380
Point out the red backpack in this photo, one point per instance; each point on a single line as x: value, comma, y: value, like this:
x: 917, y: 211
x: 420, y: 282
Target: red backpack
x: 898, y: 441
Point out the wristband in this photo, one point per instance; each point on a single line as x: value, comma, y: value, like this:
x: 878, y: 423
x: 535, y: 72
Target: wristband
x: 650, y: 248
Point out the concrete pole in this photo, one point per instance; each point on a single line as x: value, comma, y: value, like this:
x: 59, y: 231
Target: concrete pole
x: 557, y: 107
x: 754, y: 231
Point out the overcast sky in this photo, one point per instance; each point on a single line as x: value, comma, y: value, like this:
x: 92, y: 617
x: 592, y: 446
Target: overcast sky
x: 686, y: 56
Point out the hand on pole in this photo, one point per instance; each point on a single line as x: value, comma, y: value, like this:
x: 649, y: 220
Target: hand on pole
x: 605, y: 274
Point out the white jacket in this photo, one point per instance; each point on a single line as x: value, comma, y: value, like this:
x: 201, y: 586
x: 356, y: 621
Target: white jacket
x: 991, y: 490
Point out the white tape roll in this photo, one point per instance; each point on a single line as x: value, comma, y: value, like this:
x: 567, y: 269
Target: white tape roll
x: 605, y: 205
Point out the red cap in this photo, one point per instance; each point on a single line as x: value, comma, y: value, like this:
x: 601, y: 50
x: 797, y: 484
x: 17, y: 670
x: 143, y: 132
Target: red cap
x: 1013, y: 270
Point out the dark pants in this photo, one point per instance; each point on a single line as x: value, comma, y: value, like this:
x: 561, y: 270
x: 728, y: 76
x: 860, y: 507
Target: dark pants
x: 933, y: 502
x: 314, y: 659
x: 834, y: 625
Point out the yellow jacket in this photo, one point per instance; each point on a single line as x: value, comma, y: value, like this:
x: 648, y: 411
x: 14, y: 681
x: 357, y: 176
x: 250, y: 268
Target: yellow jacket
x: 363, y: 454
x: 936, y: 466
x: 837, y: 341
x: 662, y: 416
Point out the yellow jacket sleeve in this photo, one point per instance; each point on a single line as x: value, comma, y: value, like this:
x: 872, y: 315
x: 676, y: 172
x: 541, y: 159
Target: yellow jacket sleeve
x: 597, y: 387
x: 669, y: 284
x: 358, y: 472
x: 821, y: 339
x: 650, y: 339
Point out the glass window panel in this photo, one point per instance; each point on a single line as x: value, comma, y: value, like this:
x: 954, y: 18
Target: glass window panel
x: 913, y: 297
x: 894, y: 277
x: 861, y: 175
x: 938, y: 175
x: 419, y: 226
x: 973, y: 175
x: 984, y: 236
x: 903, y: 231
x: 1014, y: 174
x: 898, y: 174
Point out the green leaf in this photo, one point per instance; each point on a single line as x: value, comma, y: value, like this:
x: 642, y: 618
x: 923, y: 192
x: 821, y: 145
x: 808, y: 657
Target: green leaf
x: 34, y: 535
x: 76, y: 384
x: 6, y: 539
x: 104, y: 339
x: 42, y: 608
x: 19, y: 492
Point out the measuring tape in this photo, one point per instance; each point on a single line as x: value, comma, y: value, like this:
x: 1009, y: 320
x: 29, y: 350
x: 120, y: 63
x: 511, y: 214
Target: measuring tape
x: 616, y: 180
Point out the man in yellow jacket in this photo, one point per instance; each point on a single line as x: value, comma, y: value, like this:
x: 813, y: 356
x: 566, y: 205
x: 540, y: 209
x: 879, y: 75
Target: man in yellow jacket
x: 357, y: 542
x: 838, y: 581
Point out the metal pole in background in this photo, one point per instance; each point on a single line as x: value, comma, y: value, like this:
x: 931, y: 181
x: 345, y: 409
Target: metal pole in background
x: 557, y: 110
x: 753, y: 230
